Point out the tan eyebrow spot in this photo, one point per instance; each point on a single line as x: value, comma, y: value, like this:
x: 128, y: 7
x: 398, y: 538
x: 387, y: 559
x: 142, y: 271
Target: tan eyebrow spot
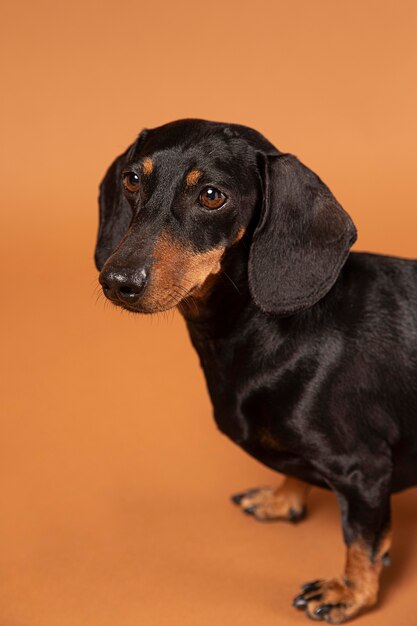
x: 147, y: 166
x: 193, y: 177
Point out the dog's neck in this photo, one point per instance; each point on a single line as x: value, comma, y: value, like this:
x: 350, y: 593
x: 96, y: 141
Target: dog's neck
x: 217, y: 309
x: 213, y: 309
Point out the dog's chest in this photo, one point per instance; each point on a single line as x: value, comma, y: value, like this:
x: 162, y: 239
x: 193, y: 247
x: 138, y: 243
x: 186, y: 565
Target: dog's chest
x: 244, y: 409
x: 254, y: 407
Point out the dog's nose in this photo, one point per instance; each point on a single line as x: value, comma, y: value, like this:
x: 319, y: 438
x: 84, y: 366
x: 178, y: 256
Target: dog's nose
x: 123, y: 285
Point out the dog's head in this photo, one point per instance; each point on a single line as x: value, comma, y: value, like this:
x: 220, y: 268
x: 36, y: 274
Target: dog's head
x: 184, y: 194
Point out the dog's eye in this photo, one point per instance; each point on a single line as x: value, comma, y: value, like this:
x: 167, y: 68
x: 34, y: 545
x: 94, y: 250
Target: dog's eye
x: 211, y: 198
x: 131, y: 181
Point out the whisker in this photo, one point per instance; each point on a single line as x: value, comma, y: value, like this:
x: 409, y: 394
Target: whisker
x: 233, y: 283
x: 186, y: 298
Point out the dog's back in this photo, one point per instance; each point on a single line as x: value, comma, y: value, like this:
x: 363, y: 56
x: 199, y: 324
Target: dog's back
x: 380, y: 312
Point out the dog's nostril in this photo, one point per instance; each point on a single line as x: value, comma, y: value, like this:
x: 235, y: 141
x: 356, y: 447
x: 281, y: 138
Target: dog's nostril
x: 127, y: 291
x: 130, y: 292
x: 105, y: 286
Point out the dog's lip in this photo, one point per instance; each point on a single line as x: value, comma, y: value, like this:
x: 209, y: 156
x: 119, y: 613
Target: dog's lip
x: 133, y: 309
x: 122, y: 305
x: 192, y: 290
x: 128, y: 307
x: 139, y: 309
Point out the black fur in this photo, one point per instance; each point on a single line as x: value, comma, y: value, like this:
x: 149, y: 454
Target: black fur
x: 297, y: 338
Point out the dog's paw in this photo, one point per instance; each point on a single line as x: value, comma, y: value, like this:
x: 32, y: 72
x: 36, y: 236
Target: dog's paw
x: 333, y: 601
x: 270, y: 503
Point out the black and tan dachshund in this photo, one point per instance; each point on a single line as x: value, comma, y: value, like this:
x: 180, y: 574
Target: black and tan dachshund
x: 309, y: 350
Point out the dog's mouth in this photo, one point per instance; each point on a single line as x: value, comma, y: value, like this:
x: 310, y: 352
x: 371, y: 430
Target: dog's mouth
x: 153, y: 305
x: 175, y: 275
x: 164, y: 288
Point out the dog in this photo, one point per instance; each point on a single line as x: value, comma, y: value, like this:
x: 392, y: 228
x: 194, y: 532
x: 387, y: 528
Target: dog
x: 309, y: 350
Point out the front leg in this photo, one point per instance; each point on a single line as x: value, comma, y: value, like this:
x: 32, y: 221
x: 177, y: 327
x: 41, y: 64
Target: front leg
x: 366, y: 527
x: 286, y: 502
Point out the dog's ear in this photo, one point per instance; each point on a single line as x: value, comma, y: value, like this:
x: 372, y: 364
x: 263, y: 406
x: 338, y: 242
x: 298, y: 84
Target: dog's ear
x: 301, y: 241
x: 115, y: 212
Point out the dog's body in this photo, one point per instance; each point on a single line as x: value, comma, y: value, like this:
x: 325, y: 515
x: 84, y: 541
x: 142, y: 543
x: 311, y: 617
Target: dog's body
x: 329, y: 391
x: 309, y: 352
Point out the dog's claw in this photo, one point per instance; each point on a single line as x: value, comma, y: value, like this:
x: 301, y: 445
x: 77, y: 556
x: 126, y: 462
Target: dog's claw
x: 317, y: 597
x: 237, y: 498
x: 300, y: 602
x: 323, y: 610
x: 311, y: 586
x: 295, y: 516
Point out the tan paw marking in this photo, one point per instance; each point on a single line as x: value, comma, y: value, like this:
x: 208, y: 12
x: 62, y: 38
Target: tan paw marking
x: 338, y: 599
x: 271, y: 503
x: 332, y: 600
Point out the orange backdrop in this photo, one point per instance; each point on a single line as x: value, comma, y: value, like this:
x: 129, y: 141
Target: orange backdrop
x: 114, y: 481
